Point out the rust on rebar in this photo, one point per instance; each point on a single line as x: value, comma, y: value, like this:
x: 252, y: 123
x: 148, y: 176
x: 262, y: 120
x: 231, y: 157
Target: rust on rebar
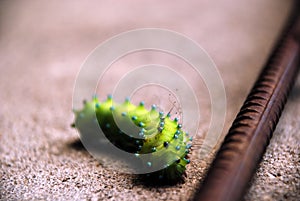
x: 249, y: 135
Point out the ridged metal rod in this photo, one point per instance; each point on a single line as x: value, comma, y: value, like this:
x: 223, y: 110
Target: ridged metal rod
x: 249, y: 135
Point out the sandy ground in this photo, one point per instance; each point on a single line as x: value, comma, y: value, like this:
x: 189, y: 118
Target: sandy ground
x: 42, y: 46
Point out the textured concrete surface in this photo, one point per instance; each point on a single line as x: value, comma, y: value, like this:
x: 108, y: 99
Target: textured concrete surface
x: 43, y: 44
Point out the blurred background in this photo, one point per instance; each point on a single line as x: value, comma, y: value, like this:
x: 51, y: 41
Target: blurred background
x: 42, y: 47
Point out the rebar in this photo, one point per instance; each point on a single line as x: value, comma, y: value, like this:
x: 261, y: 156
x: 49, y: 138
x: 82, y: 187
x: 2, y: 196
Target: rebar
x: 250, y: 133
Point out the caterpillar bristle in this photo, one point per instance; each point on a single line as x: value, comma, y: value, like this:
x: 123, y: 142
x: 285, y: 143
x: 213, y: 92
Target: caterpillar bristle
x: 142, y: 104
x: 153, y: 107
x: 141, y: 124
x: 166, y: 144
x: 127, y: 100
x: 95, y: 97
x: 161, y: 114
x: 109, y: 97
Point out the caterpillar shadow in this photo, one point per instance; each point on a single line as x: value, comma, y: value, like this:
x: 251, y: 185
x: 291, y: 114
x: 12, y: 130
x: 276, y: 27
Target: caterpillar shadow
x: 145, y: 180
x: 151, y: 182
x: 76, y: 145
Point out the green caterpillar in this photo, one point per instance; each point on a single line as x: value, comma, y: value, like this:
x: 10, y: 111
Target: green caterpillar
x: 140, y: 131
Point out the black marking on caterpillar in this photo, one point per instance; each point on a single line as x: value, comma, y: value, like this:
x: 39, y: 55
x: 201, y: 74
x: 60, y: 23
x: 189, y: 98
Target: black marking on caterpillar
x: 155, y: 132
